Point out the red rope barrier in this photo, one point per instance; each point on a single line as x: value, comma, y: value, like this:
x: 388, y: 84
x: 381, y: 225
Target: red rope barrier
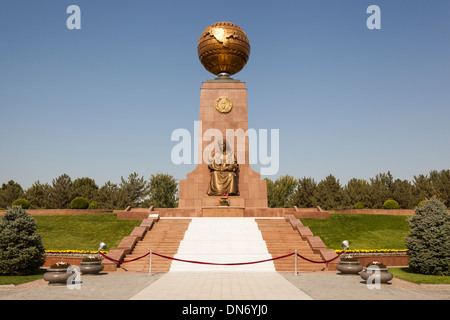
x: 222, y: 264
x: 326, y: 261
x: 118, y: 261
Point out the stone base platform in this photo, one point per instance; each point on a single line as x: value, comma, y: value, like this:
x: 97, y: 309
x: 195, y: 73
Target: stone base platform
x: 235, y: 201
x: 215, y: 211
x: 223, y: 211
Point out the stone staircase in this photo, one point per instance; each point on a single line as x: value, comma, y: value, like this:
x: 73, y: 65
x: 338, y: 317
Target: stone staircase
x: 223, y: 240
x: 281, y: 239
x: 227, y: 243
x: 164, y: 238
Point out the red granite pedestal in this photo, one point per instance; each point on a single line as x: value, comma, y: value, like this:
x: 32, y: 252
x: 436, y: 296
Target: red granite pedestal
x: 192, y: 190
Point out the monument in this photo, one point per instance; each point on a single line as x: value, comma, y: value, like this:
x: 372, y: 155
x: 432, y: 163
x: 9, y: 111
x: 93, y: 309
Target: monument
x: 223, y: 49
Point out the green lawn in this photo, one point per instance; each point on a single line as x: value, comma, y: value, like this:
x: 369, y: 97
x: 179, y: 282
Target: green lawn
x: 83, y: 232
x: 6, y: 280
x: 363, y: 231
x: 407, y: 275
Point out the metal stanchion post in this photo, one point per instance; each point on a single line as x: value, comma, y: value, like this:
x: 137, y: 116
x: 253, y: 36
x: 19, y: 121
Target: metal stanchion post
x: 150, y: 263
x: 295, y: 261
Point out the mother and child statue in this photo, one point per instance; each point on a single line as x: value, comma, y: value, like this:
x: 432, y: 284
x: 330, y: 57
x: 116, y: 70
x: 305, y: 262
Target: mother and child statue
x: 224, y: 171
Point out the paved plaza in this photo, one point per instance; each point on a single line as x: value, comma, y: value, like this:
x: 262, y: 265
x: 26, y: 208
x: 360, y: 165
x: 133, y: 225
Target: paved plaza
x: 225, y: 286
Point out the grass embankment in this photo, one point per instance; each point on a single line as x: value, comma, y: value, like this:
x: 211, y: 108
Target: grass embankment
x: 407, y: 275
x: 362, y: 231
x: 83, y: 232
x: 370, y: 232
x: 7, y: 280
x: 77, y: 232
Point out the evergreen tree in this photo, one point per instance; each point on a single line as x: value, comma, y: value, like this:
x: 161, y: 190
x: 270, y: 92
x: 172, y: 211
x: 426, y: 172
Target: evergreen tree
x: 163, y: 191
x: 21, y: 248
x: 135, y: 188
x: 305, y: 196
x: 380, y: 190
x: 10, y: 192
x: 424, y: 189
x: 404, y: 193
x: 436, y: 184
x: 429, y: 239
x: 357, y: 190
x: 269, y: 187
x: 85, y: 188
x: 38, y: 195
x: 279, y: 192
x: 110, y: 196
x: 441, y: 185
x: 61, y: 192
x: 330, y: 194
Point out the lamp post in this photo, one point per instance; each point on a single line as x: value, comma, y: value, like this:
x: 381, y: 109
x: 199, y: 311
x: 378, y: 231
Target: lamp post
x: 344, y: 245
x: 101, y: 247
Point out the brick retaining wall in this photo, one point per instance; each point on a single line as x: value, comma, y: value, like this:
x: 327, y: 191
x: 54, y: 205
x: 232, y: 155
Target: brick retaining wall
x: 389, y: 260
x: 65, y: 212
x: 393, y: 212
x: 51, y: 260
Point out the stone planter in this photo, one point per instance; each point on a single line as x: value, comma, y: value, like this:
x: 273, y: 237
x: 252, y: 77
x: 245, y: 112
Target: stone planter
x: 383, y: 276
x: 349, y: 267
x: 57, y: 276
x: 91, y: 267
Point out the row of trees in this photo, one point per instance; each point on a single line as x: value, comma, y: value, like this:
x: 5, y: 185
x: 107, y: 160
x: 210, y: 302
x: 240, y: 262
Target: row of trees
x: 329, y: 194
x: 159, y: 191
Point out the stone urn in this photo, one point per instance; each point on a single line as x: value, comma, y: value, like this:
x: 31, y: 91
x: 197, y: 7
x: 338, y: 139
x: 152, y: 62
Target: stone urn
x: 91, y: 267
x: 383, y: 276
x: 349, y: 267
x: 57, y: 276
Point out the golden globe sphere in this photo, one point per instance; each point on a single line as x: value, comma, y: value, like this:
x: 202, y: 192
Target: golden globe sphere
x: 223, y: 48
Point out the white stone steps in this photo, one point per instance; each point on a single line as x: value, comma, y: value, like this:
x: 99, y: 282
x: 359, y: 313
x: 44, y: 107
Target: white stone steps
x: 222, y: 240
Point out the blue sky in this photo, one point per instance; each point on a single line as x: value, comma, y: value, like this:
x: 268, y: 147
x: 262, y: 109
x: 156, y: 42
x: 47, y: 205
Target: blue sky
x: 103, y: 101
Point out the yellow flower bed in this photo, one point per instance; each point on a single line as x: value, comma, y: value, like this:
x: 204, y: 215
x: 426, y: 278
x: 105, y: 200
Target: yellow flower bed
x: 74, y: 251
x: 400, y: 251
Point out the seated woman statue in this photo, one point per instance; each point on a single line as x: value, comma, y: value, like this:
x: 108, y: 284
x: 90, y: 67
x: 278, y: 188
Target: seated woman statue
x: 223, y: 167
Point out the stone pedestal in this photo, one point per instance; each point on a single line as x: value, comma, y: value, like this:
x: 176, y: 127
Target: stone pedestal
x: 224, y: 211
x: 253, y: 190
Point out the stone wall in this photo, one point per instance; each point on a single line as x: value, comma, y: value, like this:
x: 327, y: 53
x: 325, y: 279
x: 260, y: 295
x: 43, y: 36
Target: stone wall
x: 66, y: 212
x: 393, y: 212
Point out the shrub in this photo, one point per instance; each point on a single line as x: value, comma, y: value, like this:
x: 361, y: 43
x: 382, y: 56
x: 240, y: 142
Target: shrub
x: 93, y: 205
x: 21, y: 248
x: 391, y: 204
x: 429, y: 239
x: 420, y: 203
x: 359, y: 205
x: 22, y: 203
x: 79, y: 203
